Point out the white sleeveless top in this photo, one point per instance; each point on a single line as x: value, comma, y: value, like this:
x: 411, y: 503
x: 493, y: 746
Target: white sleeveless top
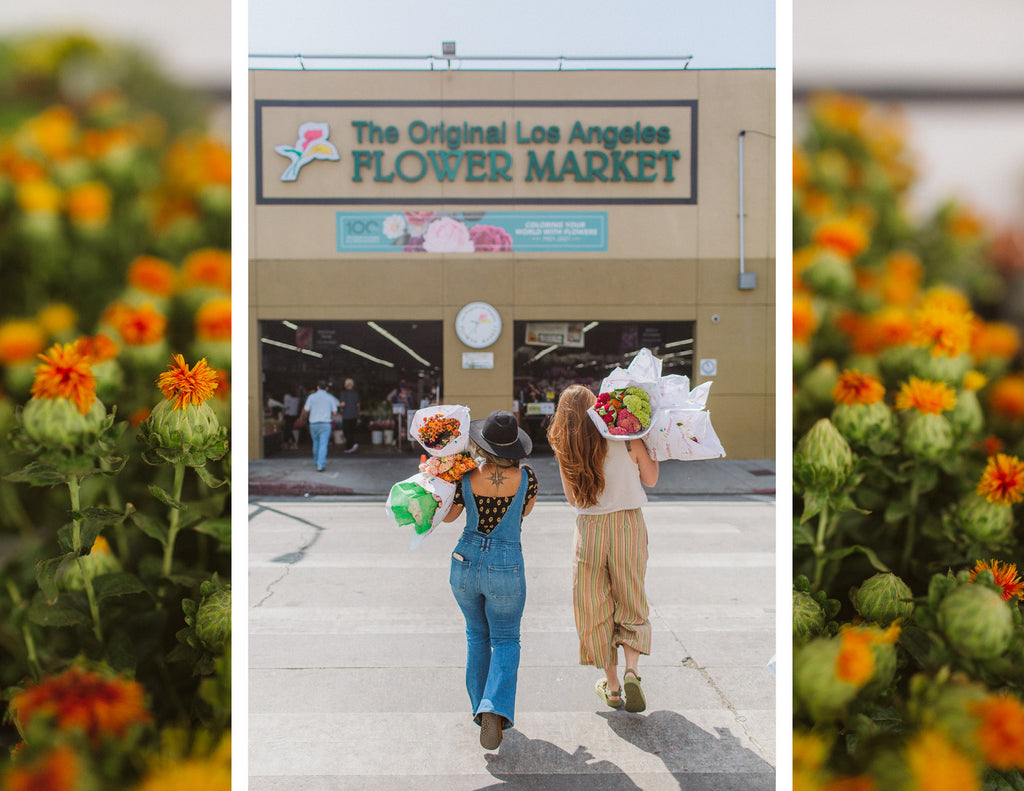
x: 622, y: 488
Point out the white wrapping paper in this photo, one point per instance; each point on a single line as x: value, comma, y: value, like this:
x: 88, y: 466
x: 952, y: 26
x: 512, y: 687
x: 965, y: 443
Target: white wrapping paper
x: 456, y: 445
x: 444, y: 490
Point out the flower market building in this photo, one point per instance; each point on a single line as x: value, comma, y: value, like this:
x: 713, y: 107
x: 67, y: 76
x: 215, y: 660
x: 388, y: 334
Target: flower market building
x: 491, y: 237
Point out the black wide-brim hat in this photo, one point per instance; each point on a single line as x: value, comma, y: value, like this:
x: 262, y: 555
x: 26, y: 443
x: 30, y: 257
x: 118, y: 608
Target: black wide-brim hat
x: 499, y: 434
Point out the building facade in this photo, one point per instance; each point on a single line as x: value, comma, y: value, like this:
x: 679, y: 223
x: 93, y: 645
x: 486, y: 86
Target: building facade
x: 489, y: 237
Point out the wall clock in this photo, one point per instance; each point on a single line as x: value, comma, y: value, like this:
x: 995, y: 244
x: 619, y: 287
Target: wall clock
x: 478, y: 325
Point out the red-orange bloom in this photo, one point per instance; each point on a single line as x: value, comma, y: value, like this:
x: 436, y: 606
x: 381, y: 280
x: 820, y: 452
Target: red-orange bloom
x: 207, y: 267
x: 804, y: 319
x: 213, y: 320
x: 88, y: 204
x: 58, y: 770
x: 844, y: 236
x: 1005, y: 575
x: 902, y: 279
x: 884, y: 329
x: 994, y: 339
x: 854, y: 387
x: 1002, y: 482
x: 1000, y: 732
x: 152, y: 275
x: 855, y: 662
x: 858, y: 783
x: 948, y: 332
x: 184, y: 386
x: 138, y: 326
x: 83, y: 700
x: 1006, y: 397
x: 97, y: 348
x: 65, y: 373
x: 931, y: 398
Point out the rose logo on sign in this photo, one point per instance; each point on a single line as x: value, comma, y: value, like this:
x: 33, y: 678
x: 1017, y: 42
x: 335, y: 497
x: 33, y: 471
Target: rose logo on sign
x: 312, y: 144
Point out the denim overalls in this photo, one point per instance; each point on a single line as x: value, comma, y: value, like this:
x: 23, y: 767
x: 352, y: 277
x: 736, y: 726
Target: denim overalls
x: 489, y: 583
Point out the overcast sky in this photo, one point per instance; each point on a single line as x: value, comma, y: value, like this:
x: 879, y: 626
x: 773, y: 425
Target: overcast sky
x: 717, y: 33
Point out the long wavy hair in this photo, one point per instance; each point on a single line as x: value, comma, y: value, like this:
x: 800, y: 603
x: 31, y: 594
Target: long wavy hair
x: 578, y: 445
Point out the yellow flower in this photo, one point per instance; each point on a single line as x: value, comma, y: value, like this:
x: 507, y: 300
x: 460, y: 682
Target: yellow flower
x: 184, y: 386
x: 88, y: 204
x: 208, y: 775
x: 930, y: 398
x: 20, y: 341
x: 974, y: 381
x: 52, y: 132
x: 38, y: 196
x: 947, y: 331
x: 846, y: 236
x: 57, y: 318
x: 936, y: 765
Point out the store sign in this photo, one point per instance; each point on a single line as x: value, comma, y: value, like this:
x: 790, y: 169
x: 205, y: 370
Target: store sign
x: 471, y: 232
x: 555, y: 333
x: 477, y: 152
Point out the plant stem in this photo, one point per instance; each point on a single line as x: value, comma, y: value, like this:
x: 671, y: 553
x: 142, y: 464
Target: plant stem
x: 26, y: 633
x: 819, y: 548
x: 911, y: 537
x: 175, y: 518
x: 117, y: 503
x: 76, y: 543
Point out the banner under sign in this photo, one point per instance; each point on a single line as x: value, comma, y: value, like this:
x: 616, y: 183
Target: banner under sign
x: 472, y: 232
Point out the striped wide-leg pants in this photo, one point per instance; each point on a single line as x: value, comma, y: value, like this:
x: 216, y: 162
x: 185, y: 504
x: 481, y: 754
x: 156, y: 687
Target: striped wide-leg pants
x: 610, y: 561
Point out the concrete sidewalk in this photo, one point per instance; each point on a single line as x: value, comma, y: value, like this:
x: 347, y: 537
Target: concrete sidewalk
x: 357, y: 653
x: 372, y: 471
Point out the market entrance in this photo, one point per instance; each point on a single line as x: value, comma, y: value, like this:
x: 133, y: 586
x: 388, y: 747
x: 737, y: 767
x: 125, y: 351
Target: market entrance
x: 377, y: 355
x: 551, y: 355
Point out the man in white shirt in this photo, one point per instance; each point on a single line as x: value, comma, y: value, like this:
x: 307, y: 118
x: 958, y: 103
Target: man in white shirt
x: 320, y: 408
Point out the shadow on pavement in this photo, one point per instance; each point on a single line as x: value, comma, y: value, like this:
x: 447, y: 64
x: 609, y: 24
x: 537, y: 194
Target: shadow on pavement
x: 524, y: 764
x: 695, y: 758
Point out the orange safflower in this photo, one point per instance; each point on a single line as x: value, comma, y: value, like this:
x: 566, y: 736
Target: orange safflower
x: 20, y: 341
x: 1000, y: 733
x: 80, y: 699
x: 964, y: 224
x: 135, y: 418
x: 57, y: 318
x: 930, y: 398
x: 994, y: 339
x: 993, y: 445
x: 152, y: 275
x: 902, y: 278
x: 845, y: 236
x: 223, y: 390
x: 1006, y: 397
x: 207, y: 267
x: 213, y: 320
x: 1002, y: 482
x: 805, y: 319
x: 184, y: 386
x: 854, y: 387
x: 944, y: 297
x: 973, y: 381
x: 138, y: 326
x: 858, y: 783
x: 88, y: 204
x: 97, y: 348
x: 65, y: 373
x: 1005, y: 575
x: 935, y: 764
x: 842, y: 112
x: 948, y: 332
x: 883, y: 329
x: 855, y: 662
x: 817, y: 204
x: 800, y: 168
x: 52, y: 132
x: 210, y: 775
x: 58, y: 770
x: 38, y: 196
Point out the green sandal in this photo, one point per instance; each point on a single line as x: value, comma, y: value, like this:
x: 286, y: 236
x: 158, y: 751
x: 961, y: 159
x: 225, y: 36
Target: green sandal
x: 635, y: 700
x: 610, y: 698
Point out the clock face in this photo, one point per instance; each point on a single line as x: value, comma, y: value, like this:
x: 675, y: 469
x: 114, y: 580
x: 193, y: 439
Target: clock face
x: 478, y: 325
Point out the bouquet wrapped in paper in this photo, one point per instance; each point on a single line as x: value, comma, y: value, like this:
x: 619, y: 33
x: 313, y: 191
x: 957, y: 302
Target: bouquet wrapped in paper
x: 442, y: 430
x: 421, y: 502
x: 629, y: 399
x: 449, y: 468
x: 681, y: 428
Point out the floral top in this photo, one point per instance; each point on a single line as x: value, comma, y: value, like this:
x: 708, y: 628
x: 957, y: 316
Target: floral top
x: 491, y: 509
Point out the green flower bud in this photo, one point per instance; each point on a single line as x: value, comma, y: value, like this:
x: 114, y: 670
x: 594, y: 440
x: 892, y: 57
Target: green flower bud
x: 818, y: 383
x: 883, y: 599
x: 967, y: 416
x: 18, y: 377
x: 977, y: 518
x: 950, y: 710
x: 927, y: 437
x: 830, y: 275
x: 190, y: 433
x: 862, y: 424
x: 213, y: 620
x: 808, y: 617
x: 941, y: 368
x: 816, y: 688
x: 146, y: 356
x: 822, y: 459
x: 801, y: 358
x: 976, y: 621
x: 56, y: 422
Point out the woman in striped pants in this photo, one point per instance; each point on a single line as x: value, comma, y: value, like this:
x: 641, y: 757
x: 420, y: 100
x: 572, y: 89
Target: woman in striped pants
x: 603, y: 480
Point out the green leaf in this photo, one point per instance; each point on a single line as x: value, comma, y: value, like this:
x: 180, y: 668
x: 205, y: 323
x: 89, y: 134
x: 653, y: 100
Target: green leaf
x: 119, y: 583
x: 814, y: 502
x: 107, y: 516
x: 208, y: 478
x: 37, y: 474
x: 835, y: 554
x: 47, y: 572
x: 803, y: 534
x: 897, y: 511
x: 165, y: 497
x: 220, y: 529
x: 44, y: 614
x: 152, y: 527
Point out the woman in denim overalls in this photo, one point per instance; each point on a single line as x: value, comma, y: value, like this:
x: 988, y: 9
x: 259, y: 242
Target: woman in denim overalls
x: 487, y: 574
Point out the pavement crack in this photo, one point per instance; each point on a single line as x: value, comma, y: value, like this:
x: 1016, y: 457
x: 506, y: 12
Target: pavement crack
x: 271, y: 585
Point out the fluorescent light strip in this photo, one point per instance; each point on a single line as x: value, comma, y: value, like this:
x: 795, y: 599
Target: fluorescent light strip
x: 290, y: 325
x: 369, y: 357
x: 398, y: 343
x: 678, y: 343
x: 542, y: 352
x: 591, y: 326
x: 292, y: 348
